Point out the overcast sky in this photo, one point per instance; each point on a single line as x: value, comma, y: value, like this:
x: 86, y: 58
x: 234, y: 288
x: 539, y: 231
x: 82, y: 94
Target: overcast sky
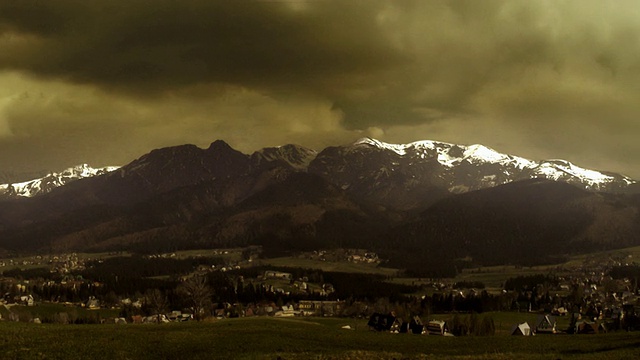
x: 105, y: 82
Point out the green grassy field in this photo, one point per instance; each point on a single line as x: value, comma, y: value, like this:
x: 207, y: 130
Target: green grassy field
x: 494, y: 277
x: 308, y: 338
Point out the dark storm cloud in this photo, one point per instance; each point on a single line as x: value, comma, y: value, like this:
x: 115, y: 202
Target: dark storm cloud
x: 535, y: 78
x: 349, y: 52
x: 378, y: 61
x: 155, y: 45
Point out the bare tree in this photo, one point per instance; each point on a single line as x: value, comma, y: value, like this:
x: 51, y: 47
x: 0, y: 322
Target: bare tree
x: 156, y: 302
x: 197, y: 294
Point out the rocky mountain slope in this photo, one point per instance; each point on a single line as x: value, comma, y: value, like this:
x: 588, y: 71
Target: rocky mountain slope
x: 527, y: 222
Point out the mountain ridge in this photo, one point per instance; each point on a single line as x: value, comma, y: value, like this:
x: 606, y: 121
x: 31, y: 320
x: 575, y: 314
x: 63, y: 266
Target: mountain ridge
x: 410, y: 202
x: 482, y: 166
x: 555, y: 169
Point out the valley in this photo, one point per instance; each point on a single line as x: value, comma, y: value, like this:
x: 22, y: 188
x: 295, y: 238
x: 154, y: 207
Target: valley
x: 461, y: 236
x: 239, y: 279
x: 306, y: 179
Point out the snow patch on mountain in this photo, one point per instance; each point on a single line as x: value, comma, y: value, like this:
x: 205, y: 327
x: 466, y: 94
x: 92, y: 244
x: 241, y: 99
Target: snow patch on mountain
x: 484, y: 154
x: 450, y: 155
x: 511, y: 167
x: 561, y: 169
x: 51, y: 181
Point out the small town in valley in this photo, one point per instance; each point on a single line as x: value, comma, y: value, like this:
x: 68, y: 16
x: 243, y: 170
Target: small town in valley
x: 595, y: 295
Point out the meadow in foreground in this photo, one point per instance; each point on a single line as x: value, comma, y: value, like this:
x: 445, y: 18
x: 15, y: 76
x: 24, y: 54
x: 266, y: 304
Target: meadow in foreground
x: 308, y: 338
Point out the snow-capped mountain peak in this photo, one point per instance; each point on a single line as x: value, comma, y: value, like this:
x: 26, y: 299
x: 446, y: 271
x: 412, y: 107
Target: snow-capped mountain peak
x: 470, y: 167
x: 449, y: 154
x: 51, y: 181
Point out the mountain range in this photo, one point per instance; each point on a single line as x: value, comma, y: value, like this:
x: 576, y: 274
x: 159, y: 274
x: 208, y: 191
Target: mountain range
x: 423, y: 205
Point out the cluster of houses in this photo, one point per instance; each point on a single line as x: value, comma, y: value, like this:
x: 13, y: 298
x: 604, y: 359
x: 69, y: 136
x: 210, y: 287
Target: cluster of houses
x: 302, y: 308
x: 173, y: 316
x: 279, y: 282
x: 598, y: 300
x: 546, y: 324
x: 367, y: 257
x: 393, y: 324
x: 10, y: 300
x: 62, y: 263
x: 227, y: 310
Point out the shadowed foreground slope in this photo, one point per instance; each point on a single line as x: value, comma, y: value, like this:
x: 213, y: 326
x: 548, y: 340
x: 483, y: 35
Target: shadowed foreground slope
x: 309, y: 338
